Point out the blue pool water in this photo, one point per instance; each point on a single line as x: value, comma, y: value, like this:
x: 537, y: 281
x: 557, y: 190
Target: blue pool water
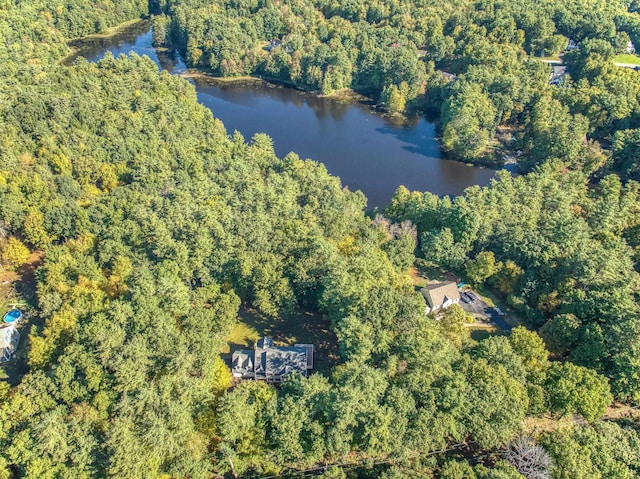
x: 12, y: 316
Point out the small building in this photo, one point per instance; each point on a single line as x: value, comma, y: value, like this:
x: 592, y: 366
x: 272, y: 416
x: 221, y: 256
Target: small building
x: 572, y: 45
x: 449, y: 76
x: 9, y: 339
x: 276, y: 42
x: 270, y: 363
x: 440, y: 295
x: 631, y: 48
x: 558, y: 74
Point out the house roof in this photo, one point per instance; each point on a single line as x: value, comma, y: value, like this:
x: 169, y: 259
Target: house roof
x: 558, y: 73
x: 309, y: 349
x: 572, y: 44
x: 283, y: 361
x: 264, y: 343
x: 437, y: 293
x: 242, y: 360
x: 269, y: 362
x: 449, y: 76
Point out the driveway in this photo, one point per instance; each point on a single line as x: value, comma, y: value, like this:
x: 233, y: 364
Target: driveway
x: 626, y: 65
x: 553, y: 61
x: 478, y: 309
x: 500, y: 322
x: 482, y: 311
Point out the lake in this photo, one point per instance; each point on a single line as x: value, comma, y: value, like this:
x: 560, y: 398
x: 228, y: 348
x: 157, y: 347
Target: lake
x: 368, y: 151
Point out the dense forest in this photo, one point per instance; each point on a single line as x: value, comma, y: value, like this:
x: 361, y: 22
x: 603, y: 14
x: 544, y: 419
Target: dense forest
x: 155, y: 225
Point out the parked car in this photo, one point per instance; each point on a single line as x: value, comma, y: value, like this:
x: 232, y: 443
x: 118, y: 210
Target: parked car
x: 465, y: 298
x: 472, y: 296
x: 499, y: 311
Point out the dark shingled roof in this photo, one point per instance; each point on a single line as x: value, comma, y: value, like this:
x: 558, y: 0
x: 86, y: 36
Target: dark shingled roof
x: 283, y: 361
x: 242, y: 361
x: 271, y: 362
x: 309, y: 348
x: 264, y: 343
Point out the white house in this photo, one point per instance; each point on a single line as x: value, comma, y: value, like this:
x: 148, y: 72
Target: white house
x: 631, y: 48
x: 9, y: 339
x: 440, y: 295
x: 558, y: 74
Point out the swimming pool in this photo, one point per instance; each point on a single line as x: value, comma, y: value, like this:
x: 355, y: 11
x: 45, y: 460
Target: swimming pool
x: 12, y: 316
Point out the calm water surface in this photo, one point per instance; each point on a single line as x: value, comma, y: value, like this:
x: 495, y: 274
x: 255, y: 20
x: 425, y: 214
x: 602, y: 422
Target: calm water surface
x: 367, y: 151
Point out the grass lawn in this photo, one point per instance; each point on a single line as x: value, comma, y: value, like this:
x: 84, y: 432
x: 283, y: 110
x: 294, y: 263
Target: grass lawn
x: 481, y: 332
x: 425, y: 270
x: 551, y: 57
x: 242, y: 337
x: 300, y: 327
x: 627, y: 58
x: 417, y: 279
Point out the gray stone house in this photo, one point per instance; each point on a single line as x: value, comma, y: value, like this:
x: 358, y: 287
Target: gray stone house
x: 270, y: 363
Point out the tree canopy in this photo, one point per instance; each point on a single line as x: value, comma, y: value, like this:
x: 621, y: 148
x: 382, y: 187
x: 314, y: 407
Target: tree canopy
x: 155, y: 225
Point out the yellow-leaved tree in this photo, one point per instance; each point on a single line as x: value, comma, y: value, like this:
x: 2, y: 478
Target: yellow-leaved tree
x: 14, y: 253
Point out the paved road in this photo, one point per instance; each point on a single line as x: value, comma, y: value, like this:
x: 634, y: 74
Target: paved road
x: 551, y: 62
x: 502, y: 324
x: 626, y: 65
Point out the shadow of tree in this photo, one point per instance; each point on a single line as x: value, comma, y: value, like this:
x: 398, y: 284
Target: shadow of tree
x: 26, y: 283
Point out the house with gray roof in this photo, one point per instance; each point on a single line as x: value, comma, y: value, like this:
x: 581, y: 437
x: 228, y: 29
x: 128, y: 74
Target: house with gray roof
x: 440, y: 295
x: 572, y: 45
x: 449, y: 76
x: 270, y: 363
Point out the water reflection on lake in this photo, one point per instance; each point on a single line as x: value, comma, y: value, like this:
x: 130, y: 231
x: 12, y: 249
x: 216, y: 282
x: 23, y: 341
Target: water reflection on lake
x: 367, y: 151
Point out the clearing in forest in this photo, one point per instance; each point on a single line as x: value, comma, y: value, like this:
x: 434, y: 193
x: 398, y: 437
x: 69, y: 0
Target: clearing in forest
x: 301, y: 327
x: 627, y: 58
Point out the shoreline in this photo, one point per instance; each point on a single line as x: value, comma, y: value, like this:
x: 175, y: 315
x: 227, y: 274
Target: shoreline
x: 76, y: 45
x: 345, y: 95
